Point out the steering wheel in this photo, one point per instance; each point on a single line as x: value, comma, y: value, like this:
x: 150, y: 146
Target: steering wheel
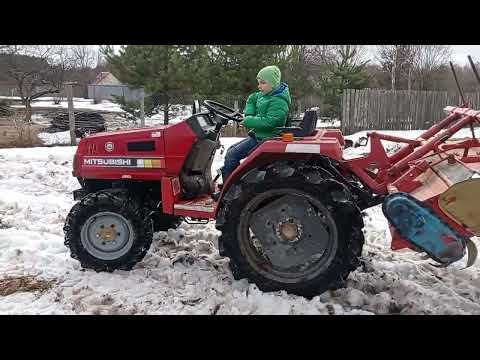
x: 223, y: 110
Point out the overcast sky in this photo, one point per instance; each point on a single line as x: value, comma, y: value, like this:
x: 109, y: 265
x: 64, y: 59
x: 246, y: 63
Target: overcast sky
x: 459, y: 55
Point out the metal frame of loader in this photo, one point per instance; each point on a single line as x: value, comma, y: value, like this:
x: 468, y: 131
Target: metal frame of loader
x: 399, y: 172
x: 379, y: 172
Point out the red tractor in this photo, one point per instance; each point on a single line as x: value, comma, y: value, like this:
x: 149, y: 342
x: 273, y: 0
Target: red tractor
x: 290, y: 215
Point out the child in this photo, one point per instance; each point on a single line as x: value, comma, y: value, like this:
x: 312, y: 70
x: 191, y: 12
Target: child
x: 265, y: 110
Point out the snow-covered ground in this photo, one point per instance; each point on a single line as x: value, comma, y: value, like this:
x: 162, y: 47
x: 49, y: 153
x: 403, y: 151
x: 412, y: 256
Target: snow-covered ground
x: 58, y: 138
x: 178, y: 112
x: 328, y: 124
x: 78, y: 105
x: 183, y: 272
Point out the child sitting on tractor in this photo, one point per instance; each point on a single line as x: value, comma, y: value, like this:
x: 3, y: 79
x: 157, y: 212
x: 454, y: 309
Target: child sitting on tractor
x: 265, y: 110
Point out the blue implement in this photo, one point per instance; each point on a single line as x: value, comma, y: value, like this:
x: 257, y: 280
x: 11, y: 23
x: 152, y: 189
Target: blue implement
x: 418, y: 224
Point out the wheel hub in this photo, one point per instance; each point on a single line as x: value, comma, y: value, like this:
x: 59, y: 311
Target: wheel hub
x: 108, y: 233
x: 290, y: 230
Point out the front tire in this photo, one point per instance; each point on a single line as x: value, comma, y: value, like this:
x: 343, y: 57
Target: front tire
x: 108, y: 230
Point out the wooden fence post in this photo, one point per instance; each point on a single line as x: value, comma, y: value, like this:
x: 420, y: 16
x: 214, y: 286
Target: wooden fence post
x: 235, y: 124
x: 71, y: 114
x: 142, y: 107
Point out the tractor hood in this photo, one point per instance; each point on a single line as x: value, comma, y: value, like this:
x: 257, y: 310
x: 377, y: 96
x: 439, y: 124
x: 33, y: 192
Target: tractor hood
x: 122, y: 142
x: 137, y: 154
x: 127, y: 132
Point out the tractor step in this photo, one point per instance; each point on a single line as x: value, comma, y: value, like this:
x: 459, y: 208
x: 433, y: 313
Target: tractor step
x: 202, y: 207
x: 79, y: 194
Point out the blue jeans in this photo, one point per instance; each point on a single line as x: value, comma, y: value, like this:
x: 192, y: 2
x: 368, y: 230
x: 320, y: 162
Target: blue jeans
x: 236, y: 153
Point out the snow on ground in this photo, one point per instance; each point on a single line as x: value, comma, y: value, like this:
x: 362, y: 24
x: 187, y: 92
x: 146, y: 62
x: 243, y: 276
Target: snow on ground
x: 178, y: 112
x: 78, y: 104
x: 58, y: 138
x: 43, y: 98
x: 183, y: 272
x: 328, y: 124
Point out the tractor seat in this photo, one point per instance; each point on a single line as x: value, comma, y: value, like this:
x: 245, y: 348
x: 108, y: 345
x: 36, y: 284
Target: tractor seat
x: 306, y: 127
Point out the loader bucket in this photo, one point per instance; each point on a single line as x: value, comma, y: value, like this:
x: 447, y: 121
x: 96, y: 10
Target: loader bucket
x: 460, y: 204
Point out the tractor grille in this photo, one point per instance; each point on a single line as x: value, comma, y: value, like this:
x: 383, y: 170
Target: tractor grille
x: 92, y: 149
x: 141, y: 146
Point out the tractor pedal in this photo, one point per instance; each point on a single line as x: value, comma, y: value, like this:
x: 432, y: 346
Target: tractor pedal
x: 196, y: 221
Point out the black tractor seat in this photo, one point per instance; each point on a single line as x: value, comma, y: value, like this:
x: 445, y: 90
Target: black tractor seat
x: 306, y: 127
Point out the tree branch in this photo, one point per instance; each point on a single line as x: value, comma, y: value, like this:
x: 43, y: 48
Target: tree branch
x: 45, y: 92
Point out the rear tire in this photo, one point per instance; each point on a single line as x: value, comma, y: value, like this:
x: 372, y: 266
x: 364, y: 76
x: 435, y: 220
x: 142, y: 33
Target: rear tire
x: 344, y: 229
x: 112, y: 207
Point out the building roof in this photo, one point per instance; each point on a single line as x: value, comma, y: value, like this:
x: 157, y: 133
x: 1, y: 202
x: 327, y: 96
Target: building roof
x: 105, y: 75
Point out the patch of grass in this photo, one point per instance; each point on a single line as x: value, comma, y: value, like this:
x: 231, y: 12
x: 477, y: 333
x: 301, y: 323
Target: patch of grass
x: 29, y: 283
x: 19, y: 134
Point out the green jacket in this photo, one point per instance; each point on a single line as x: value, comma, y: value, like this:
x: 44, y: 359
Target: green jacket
x: 263, y: 113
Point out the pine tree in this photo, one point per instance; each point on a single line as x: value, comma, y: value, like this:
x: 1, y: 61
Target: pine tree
x: 344, y: 70
x: 297, y: 72
x: 165, y: 71
x: 237, y: 65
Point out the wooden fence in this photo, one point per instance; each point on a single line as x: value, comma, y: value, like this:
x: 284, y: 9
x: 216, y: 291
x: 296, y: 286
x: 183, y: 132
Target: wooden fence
x: 372, y: 109
x: 234, y: 130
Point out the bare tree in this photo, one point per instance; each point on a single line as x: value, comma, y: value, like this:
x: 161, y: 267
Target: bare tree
x: 336, y: 54
x: 336, y: 68
x: 428, y: 59
x: 319, y: 54
x: 398, y: 61
x: 85, y: 56
x: 62, y: 61
x: 38, y: 70
x: 349, y: 55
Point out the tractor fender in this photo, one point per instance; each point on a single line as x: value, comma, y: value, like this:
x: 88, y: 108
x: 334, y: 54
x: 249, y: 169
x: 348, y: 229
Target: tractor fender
x: 339, y: 192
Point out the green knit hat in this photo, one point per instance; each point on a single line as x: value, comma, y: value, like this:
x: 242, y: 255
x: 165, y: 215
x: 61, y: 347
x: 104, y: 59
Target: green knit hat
x: 270, y: 74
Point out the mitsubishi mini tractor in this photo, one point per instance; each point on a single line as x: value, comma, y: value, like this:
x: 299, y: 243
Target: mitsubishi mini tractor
x: 290, y: 215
